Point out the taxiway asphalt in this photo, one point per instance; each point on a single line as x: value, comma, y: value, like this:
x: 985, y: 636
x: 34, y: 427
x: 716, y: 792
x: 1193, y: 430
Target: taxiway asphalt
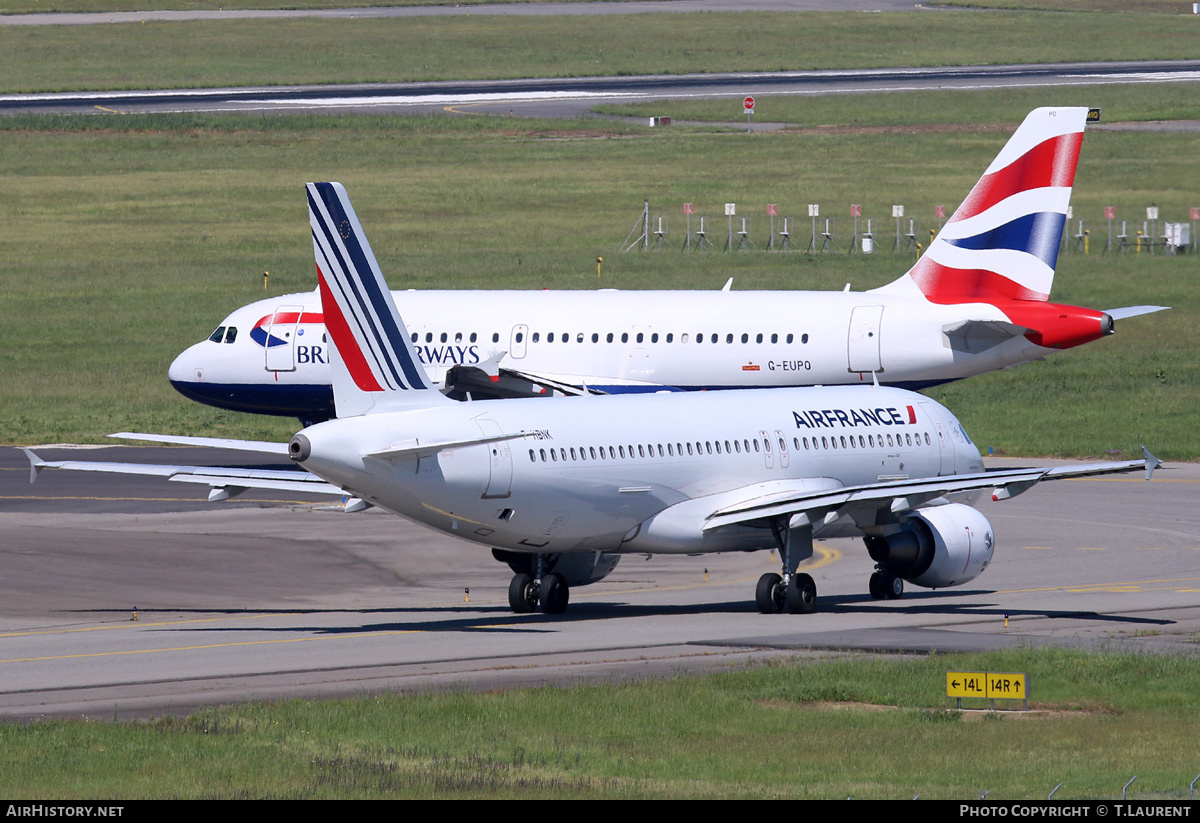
x: 268, y: 597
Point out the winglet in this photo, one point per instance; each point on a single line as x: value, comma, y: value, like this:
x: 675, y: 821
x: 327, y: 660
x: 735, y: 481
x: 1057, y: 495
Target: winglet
x: 36, y: 464
x: 1152, y: 462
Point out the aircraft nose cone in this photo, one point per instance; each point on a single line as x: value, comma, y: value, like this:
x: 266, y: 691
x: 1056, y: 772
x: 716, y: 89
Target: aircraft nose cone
x: 185, y: 368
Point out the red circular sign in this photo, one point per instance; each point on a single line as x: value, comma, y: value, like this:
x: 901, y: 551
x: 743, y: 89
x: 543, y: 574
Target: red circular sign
x: 748, y: 104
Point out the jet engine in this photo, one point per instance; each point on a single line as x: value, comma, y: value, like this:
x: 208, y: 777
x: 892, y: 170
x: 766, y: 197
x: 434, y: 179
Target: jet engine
x: 936, y: 547
x: 575, y: 568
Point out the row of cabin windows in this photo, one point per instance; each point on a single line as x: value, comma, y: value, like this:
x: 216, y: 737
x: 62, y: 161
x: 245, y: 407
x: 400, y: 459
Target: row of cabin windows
x: 744, y: 446
x: 580, y: 337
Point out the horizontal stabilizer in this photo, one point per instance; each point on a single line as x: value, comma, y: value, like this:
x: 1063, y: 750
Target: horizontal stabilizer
x: 264, y: 446
x: 217, y: 477
x: 411, y: 449
x: 1134, y: 311
x: 975, y: 336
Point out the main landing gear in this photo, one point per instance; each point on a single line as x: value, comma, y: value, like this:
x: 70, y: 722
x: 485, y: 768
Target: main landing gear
x: 790, y: 592
x: 886, y: 586
x: 547, y: 592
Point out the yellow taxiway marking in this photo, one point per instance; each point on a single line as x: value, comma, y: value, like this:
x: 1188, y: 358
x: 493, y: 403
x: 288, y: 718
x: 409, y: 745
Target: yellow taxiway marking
x: 103, y: 108
x: 1132, y: 585
x: 457, y: 108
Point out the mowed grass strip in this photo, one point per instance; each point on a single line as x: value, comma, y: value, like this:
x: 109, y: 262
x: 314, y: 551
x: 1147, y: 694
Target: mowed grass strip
x: 907, y: 110
x: 94, y: 6
x: 131, y: 238
x: 291, y: 51
x: 830, y: 728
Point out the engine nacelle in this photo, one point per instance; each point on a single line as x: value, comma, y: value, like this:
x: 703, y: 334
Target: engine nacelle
x: 576, y: 568
x: 938, y: 547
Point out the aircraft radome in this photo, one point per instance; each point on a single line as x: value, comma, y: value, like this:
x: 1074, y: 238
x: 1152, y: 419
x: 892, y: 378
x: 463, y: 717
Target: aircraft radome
x: 559, y: 489
x: 977, y: 301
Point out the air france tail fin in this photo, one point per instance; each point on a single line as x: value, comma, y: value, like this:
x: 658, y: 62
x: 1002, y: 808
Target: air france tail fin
x: 375, y: 367
x: 1002, y: 243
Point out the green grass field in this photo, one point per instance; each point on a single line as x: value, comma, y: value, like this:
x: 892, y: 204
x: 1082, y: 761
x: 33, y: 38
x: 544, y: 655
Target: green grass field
x: 828, y: 728
x: 130, y: 238
x: 273, y: 52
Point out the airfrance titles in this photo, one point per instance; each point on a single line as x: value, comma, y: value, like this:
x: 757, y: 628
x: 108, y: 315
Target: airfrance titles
x: 853, y: 418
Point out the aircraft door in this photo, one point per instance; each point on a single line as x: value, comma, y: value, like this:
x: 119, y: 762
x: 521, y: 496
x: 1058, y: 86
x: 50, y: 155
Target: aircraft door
x: 765, y: 445
x: 520, y: 336
x: 499, y: 462
x: 282, y: 331
x: 941, y: 440
x: 863, y: 344
x: 783, y: 450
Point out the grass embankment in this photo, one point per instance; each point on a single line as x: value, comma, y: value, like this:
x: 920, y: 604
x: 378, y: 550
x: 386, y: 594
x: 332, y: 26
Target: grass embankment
x: 273, y: 52
x: 130, y: 238
x: 836, y: 728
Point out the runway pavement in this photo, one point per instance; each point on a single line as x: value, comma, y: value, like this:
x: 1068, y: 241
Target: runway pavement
x: 266, y: 597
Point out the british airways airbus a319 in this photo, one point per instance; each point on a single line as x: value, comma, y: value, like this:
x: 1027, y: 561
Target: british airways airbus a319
x: 977, y: 301
x: 560, y: 489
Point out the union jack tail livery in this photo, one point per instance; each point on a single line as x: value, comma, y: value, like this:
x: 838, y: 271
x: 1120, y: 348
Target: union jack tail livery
x: 1001, y: 246
x: 375, y: 367
x: 1002, y: 243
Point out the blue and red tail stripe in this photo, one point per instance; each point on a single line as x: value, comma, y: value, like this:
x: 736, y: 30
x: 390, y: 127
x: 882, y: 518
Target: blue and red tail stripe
x: 366, y: 329
x: 1003, y: 242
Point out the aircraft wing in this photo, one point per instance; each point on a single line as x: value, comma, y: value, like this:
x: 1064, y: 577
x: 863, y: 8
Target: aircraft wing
x: 224, y: 482
x: 898, y: 496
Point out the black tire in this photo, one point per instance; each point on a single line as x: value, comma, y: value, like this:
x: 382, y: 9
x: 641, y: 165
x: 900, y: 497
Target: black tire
x: 554, y: 594
x: 877, y: 586
x: 801, y: 594
x: 769, y: 595
x: 522, y: 594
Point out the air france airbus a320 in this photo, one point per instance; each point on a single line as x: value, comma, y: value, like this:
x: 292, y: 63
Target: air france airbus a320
x: 559, y: 489
x: 977, y: 301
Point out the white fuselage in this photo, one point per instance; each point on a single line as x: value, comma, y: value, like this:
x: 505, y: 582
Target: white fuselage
x: 600, y: 473
x: 272, y: 356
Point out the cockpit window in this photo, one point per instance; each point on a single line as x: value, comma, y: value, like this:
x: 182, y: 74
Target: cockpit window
x: 231, y: 334
x: 217, y: 335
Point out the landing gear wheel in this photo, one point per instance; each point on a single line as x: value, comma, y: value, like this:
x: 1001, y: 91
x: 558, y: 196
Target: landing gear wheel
x: 522, y: 594
x: 877, y: 586
x: 770, y: 594
x: 801, y: 594
x: 885, y: 585
x: 554, y: 594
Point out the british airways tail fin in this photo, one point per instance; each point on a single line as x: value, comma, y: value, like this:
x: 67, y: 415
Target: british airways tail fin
x: 1002, y: 243
x: 375, y: 367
